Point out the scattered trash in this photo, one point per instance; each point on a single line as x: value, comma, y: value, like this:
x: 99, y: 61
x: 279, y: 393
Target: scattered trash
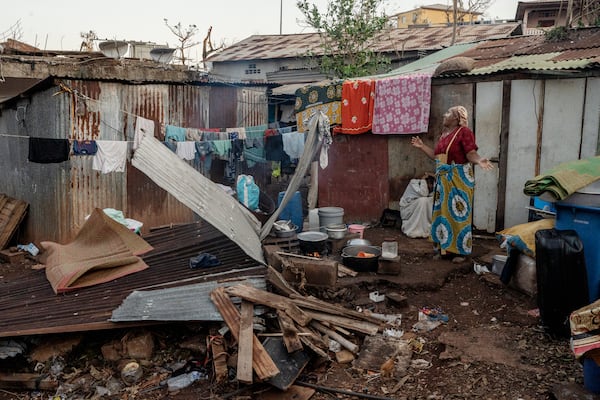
x: 396, y: 333
x: 464, y: 303
x: 420, y: 363
x: 184, y: 380
x: 334, y: 346
x: 425, y: 326
x: 131, y: 373
x: 480, y: 269
x: 204, y: 260
x: 376, y: 297
x: 432, y: 314
x: 30, y: 248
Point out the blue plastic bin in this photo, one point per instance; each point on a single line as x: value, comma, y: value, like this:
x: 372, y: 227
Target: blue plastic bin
x: 292, y: 210
x: 585, y: 220
x: 591, y: 375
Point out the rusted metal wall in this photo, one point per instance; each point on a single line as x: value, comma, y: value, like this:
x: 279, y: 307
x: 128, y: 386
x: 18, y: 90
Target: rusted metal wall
x: 62, y: 195
x: 356, y: 178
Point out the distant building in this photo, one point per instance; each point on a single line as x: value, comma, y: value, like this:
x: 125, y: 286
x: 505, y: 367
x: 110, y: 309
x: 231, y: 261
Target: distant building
x: 433, y: 15
x: 540, y: 15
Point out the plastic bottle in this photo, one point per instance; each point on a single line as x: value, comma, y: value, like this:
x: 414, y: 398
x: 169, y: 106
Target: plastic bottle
x: 182, y: 381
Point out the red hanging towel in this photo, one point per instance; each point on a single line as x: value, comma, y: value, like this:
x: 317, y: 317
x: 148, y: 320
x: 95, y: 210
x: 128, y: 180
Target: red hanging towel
x: 358, y: 98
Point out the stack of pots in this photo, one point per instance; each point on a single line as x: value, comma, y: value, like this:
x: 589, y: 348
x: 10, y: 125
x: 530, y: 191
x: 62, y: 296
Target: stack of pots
x: 330, y: 216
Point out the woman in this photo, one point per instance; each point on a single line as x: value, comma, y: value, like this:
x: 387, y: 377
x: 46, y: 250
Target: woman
x: 454, y: 153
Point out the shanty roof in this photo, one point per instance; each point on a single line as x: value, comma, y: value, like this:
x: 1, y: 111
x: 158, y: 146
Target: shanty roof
x: 581, y: 49
x: 398, y: 40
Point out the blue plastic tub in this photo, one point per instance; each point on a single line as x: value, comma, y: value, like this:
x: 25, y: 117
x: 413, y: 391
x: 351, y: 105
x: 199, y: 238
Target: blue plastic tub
x: 292, y: 210
x: 585, y: 220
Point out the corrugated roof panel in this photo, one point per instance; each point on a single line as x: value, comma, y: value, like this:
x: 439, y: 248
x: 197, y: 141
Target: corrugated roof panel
x: 531, y: 62
x: 259, y: 47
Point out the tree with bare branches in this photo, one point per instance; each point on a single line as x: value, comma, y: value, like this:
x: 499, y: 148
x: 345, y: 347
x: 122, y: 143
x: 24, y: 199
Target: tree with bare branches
x: 185, y: 38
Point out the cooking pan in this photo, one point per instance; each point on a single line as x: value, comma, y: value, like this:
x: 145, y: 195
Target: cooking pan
x: 351, y: 258
x: 312, y: 242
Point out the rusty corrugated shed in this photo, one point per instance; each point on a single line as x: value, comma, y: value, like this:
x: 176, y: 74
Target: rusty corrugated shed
x: 260, y: 47
x: 28, y: 305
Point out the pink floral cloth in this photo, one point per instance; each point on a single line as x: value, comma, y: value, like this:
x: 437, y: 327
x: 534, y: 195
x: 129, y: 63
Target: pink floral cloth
x: 402, y: 104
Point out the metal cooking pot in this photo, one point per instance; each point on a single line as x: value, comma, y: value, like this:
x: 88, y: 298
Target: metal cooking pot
x: 358, y: 242
x: 312, y: 242
x: 351, y: 259
x: 336, y: 231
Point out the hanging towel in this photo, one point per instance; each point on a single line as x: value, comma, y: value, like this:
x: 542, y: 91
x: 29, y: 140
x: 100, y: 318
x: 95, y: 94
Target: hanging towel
x: 293, y: 144
x: 331, y: 110
x: 175, y: 133
x: 222, y: 148
x: 358, y: 99
x: 47, y: 151
x: 186, y: 150
x: 111, y: 156
x: 402, y: 104
x: 143, y: 127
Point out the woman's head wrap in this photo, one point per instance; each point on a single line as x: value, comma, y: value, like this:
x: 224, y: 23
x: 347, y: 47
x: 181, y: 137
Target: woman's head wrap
x: 461, y: 114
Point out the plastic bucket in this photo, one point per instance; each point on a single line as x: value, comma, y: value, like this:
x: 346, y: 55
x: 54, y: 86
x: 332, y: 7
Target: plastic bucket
x: 330, y: 216
x: 356, y: 229
x: 292, y: 210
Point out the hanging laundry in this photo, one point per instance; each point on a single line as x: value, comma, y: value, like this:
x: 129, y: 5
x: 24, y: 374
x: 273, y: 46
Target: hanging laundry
x: 222, y: 148
x: 193, y: 134
x: 186, y: 150
x: 402, y: 104
x: 293, y: 144
x: 175, y: 133
x: 241, y: 132
x: 111, y: 156
x: 203, y: 160
x: 310, y: 96
x: 143, y: 127
x: 358, y: 99
x: 84, y: 147
x: 331, y: 110
x: 48, y: 151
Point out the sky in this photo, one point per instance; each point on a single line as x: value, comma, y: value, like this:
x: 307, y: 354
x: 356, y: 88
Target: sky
x: 58, y: 24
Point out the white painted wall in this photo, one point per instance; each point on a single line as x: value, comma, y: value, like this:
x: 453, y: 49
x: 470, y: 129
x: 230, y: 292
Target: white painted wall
x: 526, y: 103
x: 488, y: 117
x: 591, y: 123
x: 236, y: 71
x: 561, y: 133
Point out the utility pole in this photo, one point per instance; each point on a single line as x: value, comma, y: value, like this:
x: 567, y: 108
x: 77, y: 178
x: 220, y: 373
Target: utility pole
x: 280, y: 16
x: 455, y: 16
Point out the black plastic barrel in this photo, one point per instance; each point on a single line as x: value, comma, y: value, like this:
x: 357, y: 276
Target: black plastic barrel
x: 561, y: 278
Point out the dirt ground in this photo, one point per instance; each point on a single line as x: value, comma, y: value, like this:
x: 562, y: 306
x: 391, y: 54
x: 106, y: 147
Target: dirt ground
x: 491, y: 347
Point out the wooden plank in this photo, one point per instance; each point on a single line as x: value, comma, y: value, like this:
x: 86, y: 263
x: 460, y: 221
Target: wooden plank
x: 244, y: 361
x: 335, y: 336
x: 349, y: 323
x: 320, y: 305
x: 12, y: 212
x: 262, y: 363
x: 27, y: 381
x: 219, y: 357
x: 271, y: 300
x: 277, y: 280
x: 291, y: 340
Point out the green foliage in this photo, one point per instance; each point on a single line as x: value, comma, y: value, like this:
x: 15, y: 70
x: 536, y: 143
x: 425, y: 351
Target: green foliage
x: 557, y: 34
x: 348, y: 29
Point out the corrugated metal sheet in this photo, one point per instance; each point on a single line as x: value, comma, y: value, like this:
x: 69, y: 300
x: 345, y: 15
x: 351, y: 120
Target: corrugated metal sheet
x: 259, y: 47
x: 252, y: 106
x: 29, y: 306
x: 184, y: 303
x: 200, y: 194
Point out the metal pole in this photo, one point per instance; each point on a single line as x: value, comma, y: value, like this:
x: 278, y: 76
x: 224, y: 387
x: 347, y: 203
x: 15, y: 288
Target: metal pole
x: 280, y: 16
